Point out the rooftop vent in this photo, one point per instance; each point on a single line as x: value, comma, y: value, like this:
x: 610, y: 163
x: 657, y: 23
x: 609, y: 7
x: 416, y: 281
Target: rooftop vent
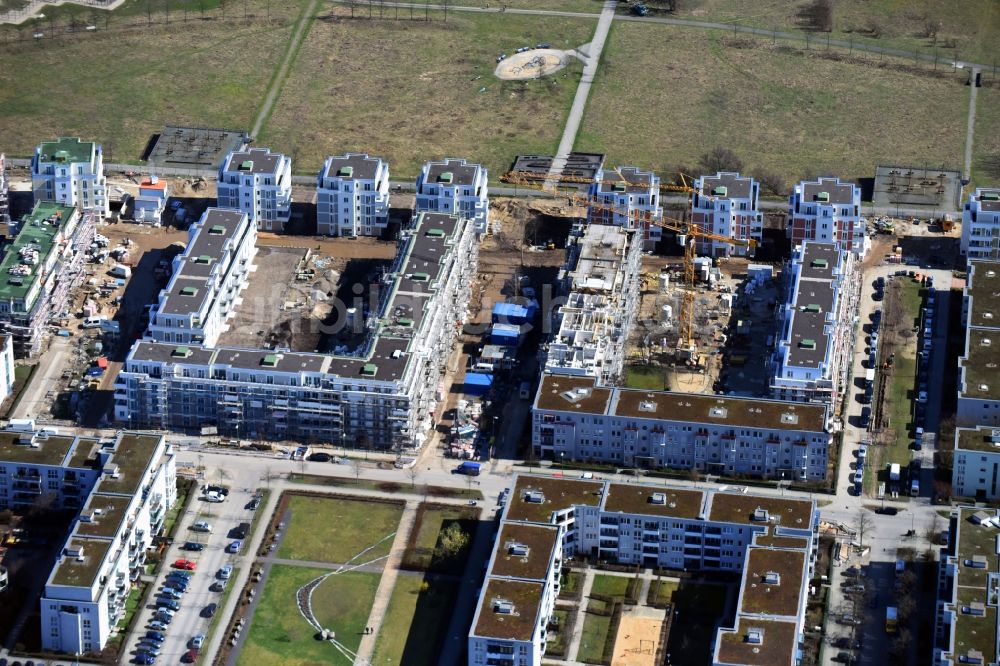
x: 420, y: 277
x: 755, y: 636
x: 619, y: 187
x: 217, y: 230
x: 269, y: 360
x: 813, y: 307
x: 345, y: 171
x: 986, y: 342
x: 181, y: 352
x: 189, y: 291
x: 74, y: 550
x: 534, y: 496
x: 369, y: 370
x: 446, y: 177
x: 789, y: 418
x: 718, y: 412
x: 518, y: 549
x: 976, y: 562
x: 246, y: 165
x: 503, y: 607
x: 807, y: 343
x: 823, y: 197
x: 404, y: 321
x: 819, y: 263
x: 720, y: 191
x: 435, y: 232
x: 760, y: 515
x: 658, y: 498
x: 977, y: 608
x: 971, y: 657
x: 987, y: 315
x: 772, y: 578
x: 990, y: 196
x: 984, y: 387
x: 647, y: 406
x: 203, y: 259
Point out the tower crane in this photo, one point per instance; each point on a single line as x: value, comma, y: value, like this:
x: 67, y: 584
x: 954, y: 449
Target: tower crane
x: 531, y: 179
x: 688, y: 235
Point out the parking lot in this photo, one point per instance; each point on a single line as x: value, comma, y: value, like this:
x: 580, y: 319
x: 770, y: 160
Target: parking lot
x: 205, y: 585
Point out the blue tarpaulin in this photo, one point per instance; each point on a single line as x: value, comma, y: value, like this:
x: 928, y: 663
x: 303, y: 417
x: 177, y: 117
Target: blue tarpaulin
x: 510, y: 313
x: 477, y: 383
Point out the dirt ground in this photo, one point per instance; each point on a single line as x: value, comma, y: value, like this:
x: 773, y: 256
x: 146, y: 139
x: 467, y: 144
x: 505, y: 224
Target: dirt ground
x: 638, y: 636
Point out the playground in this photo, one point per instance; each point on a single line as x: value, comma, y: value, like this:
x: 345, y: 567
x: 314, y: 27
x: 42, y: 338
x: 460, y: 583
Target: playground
x: 640, y: 637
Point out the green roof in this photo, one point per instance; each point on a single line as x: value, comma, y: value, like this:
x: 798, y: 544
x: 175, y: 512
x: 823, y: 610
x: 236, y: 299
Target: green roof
x: 181, y: 352
x: 270, y: 360
x: 76, y: 573
x: 823, y: 196
x: 369, y: 370
x: 66, y: 149
x: 435, y: 233
x: 346, y: 171
x: 807, y: 343
x: 720, y: 191
x: 421, y: 277
x: 813, y: 307
x: 446, y: 177
x: 217, y: 229
x: 990, y: 196
x: 204, y: 259
x: 133, y: 455
x: 189, y: 291
x: 41, y: 237
x: 405, y: 321
x: 820, y: 263
x: 246, y: 165
x: 52, y: 451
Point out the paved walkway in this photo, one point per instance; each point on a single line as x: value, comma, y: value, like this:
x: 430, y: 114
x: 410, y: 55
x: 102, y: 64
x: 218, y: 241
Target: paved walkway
x: 574, y: 642
x: 971, y: 123
x: 572, y: 126
x: 387, y: 583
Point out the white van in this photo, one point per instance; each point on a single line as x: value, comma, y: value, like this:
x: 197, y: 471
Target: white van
x: 94, y: 322
x: 121, y: 271
x: 525, y: 390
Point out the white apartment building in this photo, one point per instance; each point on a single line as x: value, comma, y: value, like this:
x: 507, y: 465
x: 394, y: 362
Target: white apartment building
x: 635, y: 197
x: 981, y: 224
x: 4, y: 201
x: 979, y: 375
x: 383, y: 395
x: 454, y: 187
x: 71, y: 172
x: 6, y: 367
x: 816, y: 325
x: 259, y: 183
x: 123, y: 488
x: 206, y: 280
x: 39, y: 269
x: 148, y: 206
x: 602, y: 278
x: 828, y: 210
x: 976, y: 465
x: 726, y: 205
x: 352, y: 196
x: 577, y: 418
x: 966, y: 626
x: 771, y: 541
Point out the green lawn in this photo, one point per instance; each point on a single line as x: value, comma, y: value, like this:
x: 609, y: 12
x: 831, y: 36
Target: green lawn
x: 646, y: 377
x: 334, y: 529
x: 432, y: 520
x: 986, y: 140
x: 613, y: 586
x: 411, y: 91
x: 571, y: 582
x: 594, y: 637
x: 22, y: 376
x: 416, y: 621
x: 700, y: 90
x: 280, y: 636
x: 970, y: 28
x: 120, y: 86
x: 902, y: 388
x: 385, y: 486
x: 662, y: 591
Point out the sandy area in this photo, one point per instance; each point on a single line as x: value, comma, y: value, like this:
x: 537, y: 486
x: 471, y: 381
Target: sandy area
x: 532, y: 64
x: 638, y: 636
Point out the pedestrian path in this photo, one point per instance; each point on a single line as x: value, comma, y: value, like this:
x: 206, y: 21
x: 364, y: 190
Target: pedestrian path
x: 574, y: 643
x: 386, y: 584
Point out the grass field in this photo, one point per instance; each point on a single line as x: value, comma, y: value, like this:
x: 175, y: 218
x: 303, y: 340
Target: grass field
x: 432, y: 520
x: 415, y: 622
x: 385, y: 486
x: 702, y: 89
x: 662, y: 591
x: 986, y: 144
x: 970, y: 28
x: 280, y: 636
x: 119, y: 87
x: 595, y: 635
x: 645, y: 377
x: 409, y: 91
x: 613, y: 586
x: 336, y: 529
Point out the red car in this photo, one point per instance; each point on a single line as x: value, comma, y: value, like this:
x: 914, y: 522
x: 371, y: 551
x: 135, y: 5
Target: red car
x: 190, y: 656
x: 187, y: 565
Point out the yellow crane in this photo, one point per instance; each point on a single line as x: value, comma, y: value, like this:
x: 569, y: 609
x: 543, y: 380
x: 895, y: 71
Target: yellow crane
x: 532, y: 179
x: 688, y: 235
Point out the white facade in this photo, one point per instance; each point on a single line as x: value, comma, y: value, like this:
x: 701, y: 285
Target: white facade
x: 726, y: 205
x: 352, y: 196
x: 147, y: 208
x: 454, y: 187
x: 383, y: 395
x: 828, y: 210
x: 602, y: 277
x: 980, y: 224
x: 635, y: 197
x: 207, y: 279
x: 123, y: 489
x: 70, y: 172
x: 979, y: 376
x: 6, y: 367
x: 259, y: 183
x: 4, y: 202
x: 816, y: 335
x: 574, y: 418
x: 976, y: 464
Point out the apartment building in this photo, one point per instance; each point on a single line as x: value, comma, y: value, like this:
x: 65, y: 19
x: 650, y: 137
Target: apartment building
x: 259, y: 183
x: 4, y: 201
x: 601, y: 277
x: 979, y: 376
x: 382, y: 395
x: 206, y: 280
x: 816, y: 325
x: 122, y: 488
x: 148, y: 206
x: 966, y: 623
x: 40, y: 267
x: 577, y: 418
x: 628, y: 198
x: 828, y: 210
x: 770, y: 541
x: 981, y: 224
x: 352, y: 196
x: 6, y: 367
x: 454, y: 187
x: 726, y: 205
x: 976, y: 463
x: 70, y: 172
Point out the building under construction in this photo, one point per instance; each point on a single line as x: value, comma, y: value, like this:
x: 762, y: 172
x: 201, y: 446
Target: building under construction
x: 43, y: 263
x: 195, y: 147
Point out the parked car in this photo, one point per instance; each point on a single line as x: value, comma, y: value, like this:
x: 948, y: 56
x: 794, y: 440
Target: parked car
x: 171, y: 593
x: 189, y: 657
x: 166, y: 602
x: 152, y: 647
x: 922, y: 396
x: 197, y: 641
x: 222, y: 490
x: 866, y: 416
x: 234, y: 547
x: 254, y: 503
x: 209, y: 610
x: 187, y: 565
x: 240, y: 531
x: 320, y: 457
x: 193, y: 546
x: 225, y: 572
x: 214, y: 497
x: 156, y: 636
x: 157, y: 625
x: 201, y: 526
x: 143, y: 657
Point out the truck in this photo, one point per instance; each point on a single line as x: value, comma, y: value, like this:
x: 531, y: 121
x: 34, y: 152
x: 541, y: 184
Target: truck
x: 891, y: 619
x: 469, y: 468
x: 894, y: 472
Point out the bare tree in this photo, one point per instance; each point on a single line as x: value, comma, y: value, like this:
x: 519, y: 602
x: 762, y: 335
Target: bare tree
x: 720, y: 159
x: 356, y: 464
x: 413, y: 472
x: 817, y: 15
x: 862, y: 524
